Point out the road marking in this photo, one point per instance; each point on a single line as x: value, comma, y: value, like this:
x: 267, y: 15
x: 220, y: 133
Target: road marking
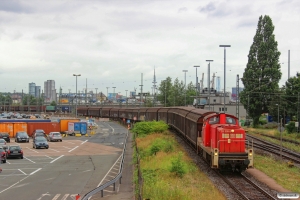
x: 66, y: 147
x: 32, y: 150
x: 83, y: 142
x: 65, y: 197
x: 43, y: 196
x: 108, y: 171
x: 29, y: 160
x: 22, y: 172
x: 35, y: 171
x: 56, y: 196
x: 48, y: 157
x: 73, y: 149
x: 56, y: 159
x: 113, y: 130
x: 7, y: 162
x: 87, y: 170
x: 70, y: 142
x: 14, y: 184
x: 54, y: 150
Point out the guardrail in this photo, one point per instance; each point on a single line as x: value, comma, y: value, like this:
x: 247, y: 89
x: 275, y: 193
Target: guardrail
x: 111, y: 182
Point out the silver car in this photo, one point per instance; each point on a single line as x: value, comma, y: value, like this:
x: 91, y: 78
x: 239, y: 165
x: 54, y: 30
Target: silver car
x: 3, y: 144
x: 54, y: 136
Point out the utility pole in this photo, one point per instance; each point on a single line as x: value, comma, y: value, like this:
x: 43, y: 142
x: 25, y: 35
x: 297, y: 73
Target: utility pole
x: 141, y: 96
x: 208, y: 81
x: 96, y: 96
x: 197, y: 87
x: 185, y: 71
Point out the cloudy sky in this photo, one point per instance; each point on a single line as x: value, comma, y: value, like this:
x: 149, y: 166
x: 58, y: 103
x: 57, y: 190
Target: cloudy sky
x: 111, y: 43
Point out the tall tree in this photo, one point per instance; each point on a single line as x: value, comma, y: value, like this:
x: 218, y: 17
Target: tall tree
x: 262, y: 74
x: 165, y: 91
x: 177, y: 93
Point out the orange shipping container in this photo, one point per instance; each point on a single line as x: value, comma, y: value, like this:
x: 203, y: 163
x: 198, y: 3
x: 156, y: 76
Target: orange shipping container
x: 7, y: 127
x: 64, y: 123
x: 19, y: 126
x: 46, y: 126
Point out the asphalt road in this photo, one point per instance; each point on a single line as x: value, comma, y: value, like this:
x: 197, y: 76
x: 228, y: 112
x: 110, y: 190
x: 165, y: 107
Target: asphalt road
x: 74, y: 166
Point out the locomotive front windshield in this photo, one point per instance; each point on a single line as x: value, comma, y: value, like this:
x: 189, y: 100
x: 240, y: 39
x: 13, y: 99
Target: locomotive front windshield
x: 214, y: 120
x: 230, y: 120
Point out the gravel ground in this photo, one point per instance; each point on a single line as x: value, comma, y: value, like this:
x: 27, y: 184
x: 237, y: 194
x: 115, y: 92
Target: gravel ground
x: 216, y: 180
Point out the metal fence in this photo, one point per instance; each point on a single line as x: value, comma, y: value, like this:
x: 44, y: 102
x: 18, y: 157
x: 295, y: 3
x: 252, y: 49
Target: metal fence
x: 113, y: 182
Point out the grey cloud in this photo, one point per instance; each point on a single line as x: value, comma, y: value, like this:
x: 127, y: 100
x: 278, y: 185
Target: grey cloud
x: 183, y: 9
x: 208, y: 8
x: 14, y: 6
x: 46, y: 37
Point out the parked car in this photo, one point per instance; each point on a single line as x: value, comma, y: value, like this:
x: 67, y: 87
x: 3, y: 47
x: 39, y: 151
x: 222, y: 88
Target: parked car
x: 38, y: 132
x: 3, y: 143
x: 54, y: 136
x: 3, y: 155
x: 5, y: 136
x: 40, y: 142
x: 14, y: 151
x: 21, y: 136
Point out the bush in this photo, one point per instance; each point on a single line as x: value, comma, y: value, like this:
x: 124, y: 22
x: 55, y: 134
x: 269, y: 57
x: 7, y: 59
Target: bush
x: 290, y: 128
x: 161, y: 145
x: 145, y: 128
x: 178, y: 166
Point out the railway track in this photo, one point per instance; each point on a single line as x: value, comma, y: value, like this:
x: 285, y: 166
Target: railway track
x: 244, y: 187
x: 276, y: 138
x: 275, y: 149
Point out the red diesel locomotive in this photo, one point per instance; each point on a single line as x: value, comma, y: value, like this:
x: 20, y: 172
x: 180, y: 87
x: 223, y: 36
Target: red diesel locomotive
x: 217, y: 137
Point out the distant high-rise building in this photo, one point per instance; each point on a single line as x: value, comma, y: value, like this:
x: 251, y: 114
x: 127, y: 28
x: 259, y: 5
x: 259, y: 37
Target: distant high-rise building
x: 31, y: 89
x: 38, y: 91
x: 50, y: 91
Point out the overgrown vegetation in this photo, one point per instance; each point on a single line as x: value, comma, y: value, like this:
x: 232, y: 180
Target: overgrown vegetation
x: 287, y: 177
x: 167, y: 171
x: 276, y: 133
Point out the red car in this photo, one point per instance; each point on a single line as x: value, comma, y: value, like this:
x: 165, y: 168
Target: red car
x: 3, y: 155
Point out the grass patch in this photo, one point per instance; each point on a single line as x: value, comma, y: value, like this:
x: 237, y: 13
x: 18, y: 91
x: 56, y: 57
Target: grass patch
x: 169, y: 173
x: 273, y: 132
x: 287, y: 177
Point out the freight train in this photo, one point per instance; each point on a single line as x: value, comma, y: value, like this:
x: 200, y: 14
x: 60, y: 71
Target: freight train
x: 217, y: 137
x: 37, y: 108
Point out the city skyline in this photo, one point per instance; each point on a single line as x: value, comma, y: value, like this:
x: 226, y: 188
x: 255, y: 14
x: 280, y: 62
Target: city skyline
x: 112, y: 43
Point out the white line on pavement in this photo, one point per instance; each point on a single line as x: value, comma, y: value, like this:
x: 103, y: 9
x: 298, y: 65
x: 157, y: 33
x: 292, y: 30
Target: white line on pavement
x: 70, y: 142
x: 84, y: 142
x: 35, y: 171
x: 66, y: 147
x: 48, y: 157
x: 56, y: 159
x: 73, y: 149
x: 56, y: 196
x: 32, y: 150
x: 13, y: 184
x: 54, y: 150
x: 29, y: 160
x: 65, y: 197
x: 22, y: 172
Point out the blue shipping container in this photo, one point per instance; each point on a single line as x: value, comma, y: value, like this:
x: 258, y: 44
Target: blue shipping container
x: 77, y: 127
x: 65, y: 109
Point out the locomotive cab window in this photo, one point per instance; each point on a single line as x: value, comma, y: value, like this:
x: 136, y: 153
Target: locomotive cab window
x: 214, y: 120
x: 230, y: 120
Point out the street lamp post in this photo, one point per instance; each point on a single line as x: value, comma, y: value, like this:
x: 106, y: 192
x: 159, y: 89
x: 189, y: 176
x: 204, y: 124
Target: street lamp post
x: 165, y: 94
x: 107, y: 93
x: 126, y: 98
x: 209, y: 82
x: 76, y: 94
x: 197, y: 89
x: 96, y: 97
x: 185, y: 71
x: 114, y: 93
x: 224, y: 70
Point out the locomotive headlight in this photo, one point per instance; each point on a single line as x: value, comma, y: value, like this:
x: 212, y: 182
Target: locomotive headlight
x: 216, y: 153
x: 250, y: 152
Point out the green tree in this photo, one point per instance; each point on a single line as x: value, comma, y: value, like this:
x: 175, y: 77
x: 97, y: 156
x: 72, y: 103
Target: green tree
x: 262, y: 73
x: 53, y: 103
x: 291, y: 95
x: 165, y: 91
x: 176, y: 97
x: 29, y: 100
x: 190, y: 93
